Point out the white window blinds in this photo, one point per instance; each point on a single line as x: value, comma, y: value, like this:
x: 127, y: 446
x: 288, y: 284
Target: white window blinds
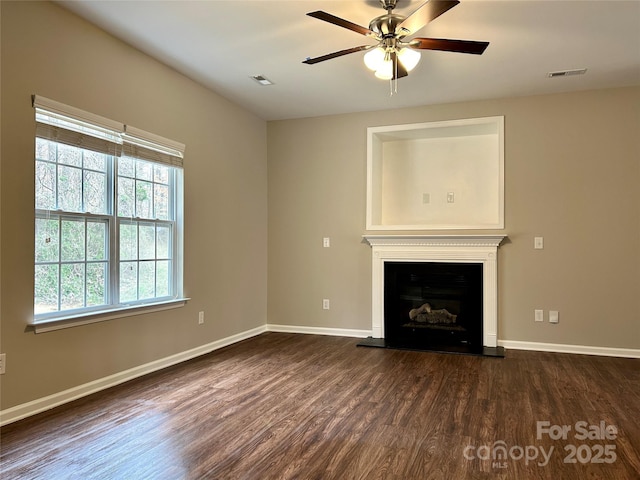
x: 147, y: 146
x: 72, y: 126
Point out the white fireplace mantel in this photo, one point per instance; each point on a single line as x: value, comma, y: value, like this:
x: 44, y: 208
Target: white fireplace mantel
x: 438, y: 248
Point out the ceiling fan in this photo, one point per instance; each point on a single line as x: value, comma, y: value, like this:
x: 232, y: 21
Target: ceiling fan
x: 394, y: 56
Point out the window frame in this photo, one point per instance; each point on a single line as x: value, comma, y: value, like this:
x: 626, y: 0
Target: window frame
x: 85, y: 218
x: 140, y: 146
x: 173, y: 184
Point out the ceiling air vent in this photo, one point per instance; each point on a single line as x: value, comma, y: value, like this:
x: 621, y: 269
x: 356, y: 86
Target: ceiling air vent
x: 262, y: 80
x: 567, y: 73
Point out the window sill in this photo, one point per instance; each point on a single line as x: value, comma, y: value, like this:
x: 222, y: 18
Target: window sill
x: 48, y: 325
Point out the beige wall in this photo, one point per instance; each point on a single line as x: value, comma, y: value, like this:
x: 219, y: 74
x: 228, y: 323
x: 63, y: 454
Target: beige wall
x: 572, y: 175
x: 51, y: 52
x: 572, y: 164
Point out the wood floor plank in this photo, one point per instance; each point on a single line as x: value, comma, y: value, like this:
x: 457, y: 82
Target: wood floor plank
x: 286, y: 406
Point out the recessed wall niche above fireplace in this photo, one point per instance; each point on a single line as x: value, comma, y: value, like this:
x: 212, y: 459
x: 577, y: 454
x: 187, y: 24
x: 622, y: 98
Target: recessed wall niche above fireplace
x: 436, y: 176
x: 435, y: 292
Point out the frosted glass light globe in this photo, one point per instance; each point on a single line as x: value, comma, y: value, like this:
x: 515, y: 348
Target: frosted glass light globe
x: 373, y: 59
x: 409, y: 58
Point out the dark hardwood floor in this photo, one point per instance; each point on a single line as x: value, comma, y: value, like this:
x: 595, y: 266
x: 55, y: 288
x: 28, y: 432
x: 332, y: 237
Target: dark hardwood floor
x: 287, y: 406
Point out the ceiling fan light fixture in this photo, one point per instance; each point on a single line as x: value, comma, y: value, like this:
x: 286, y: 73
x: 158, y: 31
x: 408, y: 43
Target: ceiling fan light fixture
x: 409, y: 58
x: 374, y: 59
x: 393, y: 57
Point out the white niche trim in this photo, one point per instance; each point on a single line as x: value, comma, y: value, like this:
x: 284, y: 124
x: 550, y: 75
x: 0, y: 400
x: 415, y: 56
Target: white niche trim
x: 436, y: 176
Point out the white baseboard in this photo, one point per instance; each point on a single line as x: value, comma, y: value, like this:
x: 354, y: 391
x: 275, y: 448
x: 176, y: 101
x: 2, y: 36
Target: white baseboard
x: 576, y: 349
x: 39, y: 405
x: 24, y: 410
x: 336, y: 332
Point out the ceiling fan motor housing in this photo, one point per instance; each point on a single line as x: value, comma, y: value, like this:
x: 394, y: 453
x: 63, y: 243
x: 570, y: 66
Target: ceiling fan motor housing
x: 385, y: 26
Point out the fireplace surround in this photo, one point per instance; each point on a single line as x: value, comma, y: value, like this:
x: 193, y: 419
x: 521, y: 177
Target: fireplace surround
x: 463, y: 249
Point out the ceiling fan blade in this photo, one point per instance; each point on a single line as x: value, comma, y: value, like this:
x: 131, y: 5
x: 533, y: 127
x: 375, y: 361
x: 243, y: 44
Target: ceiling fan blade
x: 461, y: 46
x: 327, y: 17
x: 329, y: 56
x: 427, y: 12
x: 398, y: 69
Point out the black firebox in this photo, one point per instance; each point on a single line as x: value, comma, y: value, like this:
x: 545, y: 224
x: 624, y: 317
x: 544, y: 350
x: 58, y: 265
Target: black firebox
x: 433, y: 306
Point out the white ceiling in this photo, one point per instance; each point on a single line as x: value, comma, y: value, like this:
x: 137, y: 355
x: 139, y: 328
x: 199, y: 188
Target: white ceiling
x: 222, y: 43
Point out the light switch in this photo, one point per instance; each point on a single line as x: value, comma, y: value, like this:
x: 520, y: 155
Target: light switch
x: 326, y: 242
x: 554, y: 316
x: 538, y: 243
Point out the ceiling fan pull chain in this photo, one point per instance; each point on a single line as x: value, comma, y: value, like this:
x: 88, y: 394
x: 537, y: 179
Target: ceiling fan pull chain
x: 395, y: 76
x: 395, y: 73
x: 393, y: 86
x: 393, y: 81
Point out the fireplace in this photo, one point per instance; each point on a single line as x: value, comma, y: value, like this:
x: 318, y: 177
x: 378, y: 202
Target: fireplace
x: 433, y: 305
x: 432, y: 291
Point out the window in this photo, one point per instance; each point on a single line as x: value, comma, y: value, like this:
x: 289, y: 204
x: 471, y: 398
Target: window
x: 145, y: 245
x: 108, y: 215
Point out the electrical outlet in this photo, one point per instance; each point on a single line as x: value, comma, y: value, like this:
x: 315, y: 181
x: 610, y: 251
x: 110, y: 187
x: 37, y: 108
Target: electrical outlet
x: 539, y: 315
x: 3, y: 363
x: 325, y: 304
x: 200, y: 318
